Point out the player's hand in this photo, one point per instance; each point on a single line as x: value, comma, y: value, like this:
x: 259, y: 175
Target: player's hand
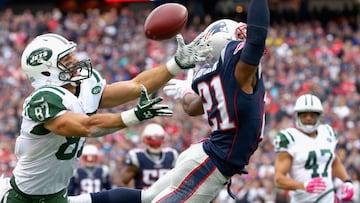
x: 196, y: 51
x: 146, y: 109
x: 347, y: 191
x: 149, y: 108
x: 315, y: 185
x: 187, y: 55
x: 179, y: 88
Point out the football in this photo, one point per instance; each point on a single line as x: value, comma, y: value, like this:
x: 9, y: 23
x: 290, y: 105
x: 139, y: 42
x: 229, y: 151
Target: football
x: 165, y: 21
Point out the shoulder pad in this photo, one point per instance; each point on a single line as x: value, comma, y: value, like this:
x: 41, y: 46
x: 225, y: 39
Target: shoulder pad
x: 282, y: 140
x: 97, y: 75
x: 131, y: 158
x: 45, y: 104
x: 331, y: 130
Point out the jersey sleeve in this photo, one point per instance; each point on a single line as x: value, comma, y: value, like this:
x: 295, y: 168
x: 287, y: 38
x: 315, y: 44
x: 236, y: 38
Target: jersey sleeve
x: 131, y: 158
x: 282, y: 142
x: 44, y: 106
x: 332, y: 131
x: 99, y: 81
x: 232, y: 49
x: 91, y: 91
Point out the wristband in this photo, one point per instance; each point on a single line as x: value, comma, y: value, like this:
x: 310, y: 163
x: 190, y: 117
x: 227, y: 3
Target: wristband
x: 348, y: 181
x: 173, y: 67
x: 129, y: 118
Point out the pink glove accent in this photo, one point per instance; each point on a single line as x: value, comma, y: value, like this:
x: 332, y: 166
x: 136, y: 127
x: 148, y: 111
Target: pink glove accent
x: 315, y: 185
x: 347, y: 191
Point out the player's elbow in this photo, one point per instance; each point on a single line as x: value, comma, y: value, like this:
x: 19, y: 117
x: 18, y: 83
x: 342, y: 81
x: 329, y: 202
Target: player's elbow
x: 192, y: 105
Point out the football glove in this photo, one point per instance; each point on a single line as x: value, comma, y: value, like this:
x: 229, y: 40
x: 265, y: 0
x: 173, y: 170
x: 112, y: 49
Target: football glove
x: 146, y: 109
x: 187, y: 55
x: 315, y: 185
x: 347, y: 191
x: 179, y: 88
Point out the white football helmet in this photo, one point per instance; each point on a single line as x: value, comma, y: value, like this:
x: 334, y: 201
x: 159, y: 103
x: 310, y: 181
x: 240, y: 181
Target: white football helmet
x: 153, y: 136
x: 90, y: 155
x: 308, y: 103
x: 40, y: 61
x: 220, y: 32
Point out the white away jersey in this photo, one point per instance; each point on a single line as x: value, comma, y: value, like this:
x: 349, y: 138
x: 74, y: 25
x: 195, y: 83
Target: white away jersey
x: 312, y: 157
x: 46, y: 161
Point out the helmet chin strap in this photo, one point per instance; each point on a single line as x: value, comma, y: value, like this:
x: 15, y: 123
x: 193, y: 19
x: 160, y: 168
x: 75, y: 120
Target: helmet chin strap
x: 306, y: 128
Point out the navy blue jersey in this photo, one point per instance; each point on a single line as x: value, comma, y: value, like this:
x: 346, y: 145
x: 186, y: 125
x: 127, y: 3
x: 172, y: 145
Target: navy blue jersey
x: 149, y: 169
x: 88, y: 180
x: 236, y: 118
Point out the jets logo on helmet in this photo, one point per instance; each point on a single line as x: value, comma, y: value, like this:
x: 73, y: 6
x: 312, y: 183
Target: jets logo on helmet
x: 40, y: 62
x: 38, y: 56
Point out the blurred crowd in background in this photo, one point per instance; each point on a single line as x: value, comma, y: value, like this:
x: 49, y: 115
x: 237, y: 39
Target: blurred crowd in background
x: 311, y: 56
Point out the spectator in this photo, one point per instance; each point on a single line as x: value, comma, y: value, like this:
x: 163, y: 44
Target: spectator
x: 300, y: 39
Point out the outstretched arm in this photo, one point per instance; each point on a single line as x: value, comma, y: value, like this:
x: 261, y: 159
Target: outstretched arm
x: 185, y: 58
x: 82, y: 125
x: 257, y: 26
x: 181, y: 89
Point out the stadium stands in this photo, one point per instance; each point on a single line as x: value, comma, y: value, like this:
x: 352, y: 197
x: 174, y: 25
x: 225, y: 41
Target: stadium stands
x: 312, y: 55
